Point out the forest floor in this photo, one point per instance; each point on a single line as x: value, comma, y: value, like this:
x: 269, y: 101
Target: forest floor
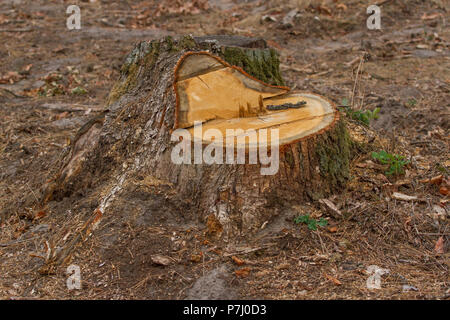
x: 53, y: 80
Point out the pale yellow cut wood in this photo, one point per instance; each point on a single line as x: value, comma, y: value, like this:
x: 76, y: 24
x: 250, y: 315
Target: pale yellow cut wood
x: 208, y: 89
x: 216, y: 95
x: 293, y: 124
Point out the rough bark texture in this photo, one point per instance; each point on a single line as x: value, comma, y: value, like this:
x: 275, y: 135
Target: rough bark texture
x: 132, y: 138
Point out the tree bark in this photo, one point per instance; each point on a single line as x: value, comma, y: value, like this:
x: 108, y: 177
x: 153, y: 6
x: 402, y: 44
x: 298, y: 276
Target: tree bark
x: 132, y: 138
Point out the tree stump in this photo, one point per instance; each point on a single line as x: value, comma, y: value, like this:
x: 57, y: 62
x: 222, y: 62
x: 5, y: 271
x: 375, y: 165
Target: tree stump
x: 220, y: 82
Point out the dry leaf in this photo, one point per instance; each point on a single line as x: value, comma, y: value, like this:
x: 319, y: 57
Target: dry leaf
x: 213, y: 225
x: 10, y: 78
x: 274, y: 44
x: 323, y: 9
x: 62, y: 115
x: 332, y: 229
x: 244, y: 272
x: 333, y: 279
x: 238, y: 261
x: 438, y: 213
x: 407, y: 222
x: 40, y: 215
x: 443, y: 190
x: 282, y: 266
x: 96, y: 221
x: 197, y: 257
x: 161, y: 260
x: 262, y: 273
x: 435, y: 180
x: 430, y: 16
x: 27, y: 68
x: 439, y: 247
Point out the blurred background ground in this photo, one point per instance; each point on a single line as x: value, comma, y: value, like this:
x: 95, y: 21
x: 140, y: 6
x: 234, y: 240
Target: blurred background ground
x: 53, y: 80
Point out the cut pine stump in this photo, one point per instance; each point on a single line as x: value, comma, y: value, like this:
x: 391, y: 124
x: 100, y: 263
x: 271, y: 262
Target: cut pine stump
x: 221, y: 82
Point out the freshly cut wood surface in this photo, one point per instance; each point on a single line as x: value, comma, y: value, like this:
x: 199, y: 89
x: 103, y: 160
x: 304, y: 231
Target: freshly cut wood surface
x: 225, y: 98
x: 293, y: 124
x: 209, y: 89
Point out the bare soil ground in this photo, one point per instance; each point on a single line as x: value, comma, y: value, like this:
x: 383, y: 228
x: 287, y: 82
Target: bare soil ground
x: 53, y: 80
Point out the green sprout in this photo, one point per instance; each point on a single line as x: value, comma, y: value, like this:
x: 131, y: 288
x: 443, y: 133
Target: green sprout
x: 363, y: 116
x: 396, y: 162
x: 311, y: 222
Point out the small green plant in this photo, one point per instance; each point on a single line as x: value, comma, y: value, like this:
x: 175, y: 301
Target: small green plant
x: 79, y: 91
x: 311, y: 222
x: 396, y: 162
x: 363, y: 116
x: 411, y: 102
x: 345, y: 102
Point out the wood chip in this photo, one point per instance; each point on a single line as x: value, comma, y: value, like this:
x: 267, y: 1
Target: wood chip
x: 330, y: 207
x: 282, y: 266
x: 403, y: 197
x: 161, y: 260
x: 332, y: 229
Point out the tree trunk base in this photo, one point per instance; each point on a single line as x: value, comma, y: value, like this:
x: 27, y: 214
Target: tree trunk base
x: 132, y: 139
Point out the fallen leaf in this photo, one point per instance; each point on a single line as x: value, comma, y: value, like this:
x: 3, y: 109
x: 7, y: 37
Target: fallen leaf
x: 60, y: 49
x: 161, y: 260
x: 197, y: 257
x: 333, y: 279
x: 323, y: 9
x: 407, y: 222
x: 262, y: 273
x: 430, y: 16
x: 213, y: 225
x: 96, y: 221
x: 332, y: 229
x: 443, y: 190
x: 369, y: 163
x: 435, y: 180
x: 439, y: 247
x: 238, y: 261
x: 438, y: 213
x: 10, y: 78
x: 341, y: 6
x: 40, y: 215
x: 62, y: 115
x: 244, y: 272
x: 27, y: 68
x: 274, y: 44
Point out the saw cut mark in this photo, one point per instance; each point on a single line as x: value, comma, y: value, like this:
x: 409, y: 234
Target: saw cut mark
x: 204, y: 82
x: 227, y: 98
